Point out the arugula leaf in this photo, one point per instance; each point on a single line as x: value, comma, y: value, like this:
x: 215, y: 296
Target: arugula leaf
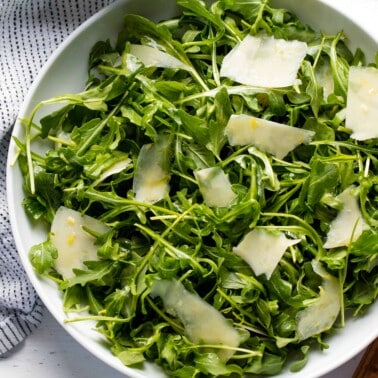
x: 366, y: 244
x: 313, y: 88
x: 201, y: 11
x: 223, y: 111
x: 130, y: 358
x: 47, y: 199
x: 248, y: 8
x: 270, y: 364
x: 324, y: 177
x: 54, y: 120
x: 97, y: 272
x: 33, y: 208
x: 195, y: 127
x: 42, y: 256
x: 299, y: 365
x: 340, y: 68
x: 98, y: 50
x: 211, y: 364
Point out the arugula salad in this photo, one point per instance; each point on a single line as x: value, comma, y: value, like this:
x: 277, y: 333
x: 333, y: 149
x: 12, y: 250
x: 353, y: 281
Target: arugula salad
x: 211, y: 194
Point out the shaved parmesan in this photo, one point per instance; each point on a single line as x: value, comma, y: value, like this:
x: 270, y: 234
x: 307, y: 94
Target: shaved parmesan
x: 349, y: 223
x: 151, y: 178
x: 264, y: 62
x: 272, y: 137
x: 321, y: 314
x: 151, y: 56
x: 362, y: 103
x: 215, y: 187
x: 117, y: 167
x: 324, y: 77
x: 262, y: 250
x: 74, y: 244
x: 202, y: 322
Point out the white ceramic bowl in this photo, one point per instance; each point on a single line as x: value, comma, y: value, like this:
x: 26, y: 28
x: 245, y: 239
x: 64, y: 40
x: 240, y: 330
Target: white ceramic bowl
x: 327, y: 15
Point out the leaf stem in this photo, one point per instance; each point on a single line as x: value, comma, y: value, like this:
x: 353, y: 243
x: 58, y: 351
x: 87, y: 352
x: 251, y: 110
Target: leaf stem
x: 87, y: 143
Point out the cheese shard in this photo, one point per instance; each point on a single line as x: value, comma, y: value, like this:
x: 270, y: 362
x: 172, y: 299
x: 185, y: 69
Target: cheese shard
x: 264, y: 62
x: 117, y: 167
x: 322, y: 313
x: 151, y: 56
x: 202, y: 322
x: 151, y: 178
x: 324, y: 77
x: 272, y: 137
x: 262, y: 250
x: 215, y: 187
x: 74, y: 244
x: 362, y: 103
x: 349, y: 222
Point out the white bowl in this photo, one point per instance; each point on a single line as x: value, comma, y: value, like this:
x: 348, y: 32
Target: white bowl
x: 71, y: 57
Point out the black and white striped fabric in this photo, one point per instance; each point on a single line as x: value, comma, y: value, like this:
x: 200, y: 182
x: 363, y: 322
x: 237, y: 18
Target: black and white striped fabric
x: 30, y: 30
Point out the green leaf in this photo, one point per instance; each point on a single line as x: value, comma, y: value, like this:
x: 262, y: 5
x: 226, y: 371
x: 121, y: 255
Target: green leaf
x: 200, y: 157
x: 282, y: 290
x: 269, y: 364
x: 340, y: 69
x: 42, y: 256
x: 118, y: 301
x: 94, y: 98
x: 249, y: 9
x: 33, y: 208
x: 195, y: 127
x: 97, y: 272
x: 313, y: 88
x: 95, y: 306
x: 322, y: 130
x: 170, y: 349
x: 366, y: 244
x: 300, y: 364
x: 131, y: 357
x: 366, y: 252
x: 87, y: 129
x: 223, y: 111
x: 132, y: 115
x: 74, y: 299
x: 48, y: 195
x: 174, y: 90
x: 98, y: 50
x: 185, y: 372
x: 199, y: 9
x: 209, y: 363
x: 323, y: 178
x: 54, y: 121
x: 363, y: 293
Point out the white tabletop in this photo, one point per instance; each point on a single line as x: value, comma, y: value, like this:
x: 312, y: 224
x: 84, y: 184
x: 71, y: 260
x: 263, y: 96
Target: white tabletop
x: 50, y: 352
